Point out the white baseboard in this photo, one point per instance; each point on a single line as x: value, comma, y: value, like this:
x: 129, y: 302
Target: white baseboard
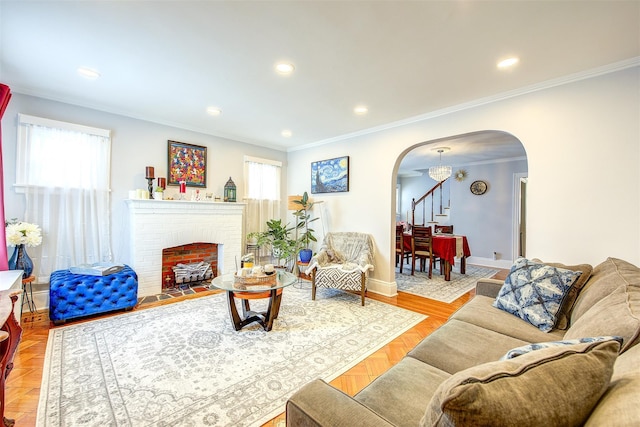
x: 387, y: 289
x: 490, y: 262
x: 41, y: 299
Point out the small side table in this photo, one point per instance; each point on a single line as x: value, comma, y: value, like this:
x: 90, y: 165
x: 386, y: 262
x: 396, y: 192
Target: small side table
x: 27, y: 295
x: 302, y: 266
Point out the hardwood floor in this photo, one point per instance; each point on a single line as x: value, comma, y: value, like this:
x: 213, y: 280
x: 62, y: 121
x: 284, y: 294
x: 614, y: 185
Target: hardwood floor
x: 23, y: 384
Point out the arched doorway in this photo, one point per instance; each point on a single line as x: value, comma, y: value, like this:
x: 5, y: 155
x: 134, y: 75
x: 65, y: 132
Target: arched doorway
x: 493, y: 221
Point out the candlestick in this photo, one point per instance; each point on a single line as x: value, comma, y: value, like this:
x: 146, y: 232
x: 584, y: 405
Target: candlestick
x: 149, y: 172
x: 150, y: 181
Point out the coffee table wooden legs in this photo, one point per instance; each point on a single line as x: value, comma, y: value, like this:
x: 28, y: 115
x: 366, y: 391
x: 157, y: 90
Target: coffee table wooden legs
x: 249, y: 316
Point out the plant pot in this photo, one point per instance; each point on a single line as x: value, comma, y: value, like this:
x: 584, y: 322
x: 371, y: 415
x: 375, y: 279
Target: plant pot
x: 305, y: 255
x: 158, y: 195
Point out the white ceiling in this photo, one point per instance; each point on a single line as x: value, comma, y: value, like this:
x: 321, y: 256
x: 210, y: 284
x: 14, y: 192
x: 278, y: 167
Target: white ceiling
x: 167, y: 61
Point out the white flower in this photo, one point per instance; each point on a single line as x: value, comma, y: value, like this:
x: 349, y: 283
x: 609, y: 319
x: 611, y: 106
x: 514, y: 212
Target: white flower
x: 23, y: 233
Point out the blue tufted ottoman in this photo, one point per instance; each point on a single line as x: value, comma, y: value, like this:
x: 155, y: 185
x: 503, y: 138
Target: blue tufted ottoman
x: 75, y: 295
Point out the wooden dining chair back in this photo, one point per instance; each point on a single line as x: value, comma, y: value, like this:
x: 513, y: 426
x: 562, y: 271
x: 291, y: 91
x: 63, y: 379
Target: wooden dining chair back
x: 443, y: 229
x: 402, y: 253
x: 422, y: 248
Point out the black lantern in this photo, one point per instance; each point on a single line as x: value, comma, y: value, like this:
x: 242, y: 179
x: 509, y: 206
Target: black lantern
x: 230, y: 191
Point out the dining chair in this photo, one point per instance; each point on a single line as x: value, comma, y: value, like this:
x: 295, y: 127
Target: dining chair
x: 402, y: 254
x: 422, y: 248
x: 443, y: 229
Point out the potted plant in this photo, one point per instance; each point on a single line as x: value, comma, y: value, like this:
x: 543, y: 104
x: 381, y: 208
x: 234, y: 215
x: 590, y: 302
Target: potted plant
x: 158, y: 193
x: 303, y: 218
x: 278, y: 234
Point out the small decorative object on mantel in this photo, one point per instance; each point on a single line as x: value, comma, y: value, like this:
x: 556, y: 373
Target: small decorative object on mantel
x: 230, y: 191
x: 162, y: 183
x: 183, y: 189
x: 149, y: 174
x: 158, y: 194
x: 461, y: 175
x: 22, y: 234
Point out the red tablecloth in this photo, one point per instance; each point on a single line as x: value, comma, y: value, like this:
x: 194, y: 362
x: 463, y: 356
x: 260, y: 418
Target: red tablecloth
x: 443, y: 246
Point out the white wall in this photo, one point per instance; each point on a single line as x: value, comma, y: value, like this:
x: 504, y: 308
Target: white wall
x: 583, y: 150
x: 135, y: 144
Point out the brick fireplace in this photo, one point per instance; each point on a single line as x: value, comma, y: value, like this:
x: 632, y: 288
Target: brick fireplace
x: 155, y: 225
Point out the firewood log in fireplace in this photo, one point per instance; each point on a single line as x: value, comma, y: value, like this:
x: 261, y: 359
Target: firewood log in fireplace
x: 194, y: 272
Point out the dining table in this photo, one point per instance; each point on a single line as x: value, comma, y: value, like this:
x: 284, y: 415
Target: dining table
x: 447, y: 247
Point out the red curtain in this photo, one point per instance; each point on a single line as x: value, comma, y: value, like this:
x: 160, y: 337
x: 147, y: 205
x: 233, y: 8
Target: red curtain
x: 5, y: 95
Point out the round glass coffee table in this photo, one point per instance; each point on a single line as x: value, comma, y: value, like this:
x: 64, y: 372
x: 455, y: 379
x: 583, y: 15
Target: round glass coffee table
x: 246, y: 292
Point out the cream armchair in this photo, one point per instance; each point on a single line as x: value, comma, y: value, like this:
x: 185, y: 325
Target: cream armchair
x: 343, y: 262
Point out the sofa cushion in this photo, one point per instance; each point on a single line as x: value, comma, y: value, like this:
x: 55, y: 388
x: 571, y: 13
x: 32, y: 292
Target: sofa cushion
x: 401, y: 395
x: 525, y: 391
x: 481, y: 312
x: 606, y: 276
x: 457, y: 345
x: 535, y: 292
x: 567, y: 306
x: 619, y: 405
x: 609, y: 316
x: 609, y: 277
x: 519, y: 351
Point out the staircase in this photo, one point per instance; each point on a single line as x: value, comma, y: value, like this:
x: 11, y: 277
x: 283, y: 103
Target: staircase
x: 433, y: 207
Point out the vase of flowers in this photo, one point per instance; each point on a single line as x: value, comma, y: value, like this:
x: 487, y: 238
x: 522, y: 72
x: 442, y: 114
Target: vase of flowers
x: 22, y: 234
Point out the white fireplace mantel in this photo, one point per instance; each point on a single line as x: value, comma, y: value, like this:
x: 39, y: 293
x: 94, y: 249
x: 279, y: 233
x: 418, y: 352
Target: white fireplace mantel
x: 158, y: 224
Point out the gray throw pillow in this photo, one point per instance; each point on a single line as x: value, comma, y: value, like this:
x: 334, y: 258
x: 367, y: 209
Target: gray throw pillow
x: 556, y: 386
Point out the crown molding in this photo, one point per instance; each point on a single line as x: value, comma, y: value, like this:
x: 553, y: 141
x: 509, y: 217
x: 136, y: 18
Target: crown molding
x: 571, y: 78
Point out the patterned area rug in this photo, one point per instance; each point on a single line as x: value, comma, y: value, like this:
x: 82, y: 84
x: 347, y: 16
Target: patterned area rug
x: 183, y: 364
x: 437, y: 288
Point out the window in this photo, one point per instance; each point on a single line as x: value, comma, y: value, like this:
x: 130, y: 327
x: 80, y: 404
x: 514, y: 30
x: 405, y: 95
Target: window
x: 64, y: 171
x: 262, y: 192
x: 262, y: 178
x: 59, y: 154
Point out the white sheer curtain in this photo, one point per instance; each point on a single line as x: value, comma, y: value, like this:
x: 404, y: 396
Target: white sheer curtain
x: 262, y: 178
x: 64, y: 171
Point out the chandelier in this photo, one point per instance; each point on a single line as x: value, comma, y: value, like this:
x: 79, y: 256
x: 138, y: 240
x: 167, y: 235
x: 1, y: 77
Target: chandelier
x: 440, y: 172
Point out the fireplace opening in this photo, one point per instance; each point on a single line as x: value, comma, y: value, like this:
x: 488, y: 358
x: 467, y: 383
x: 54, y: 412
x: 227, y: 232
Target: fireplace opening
x: 190, y: 254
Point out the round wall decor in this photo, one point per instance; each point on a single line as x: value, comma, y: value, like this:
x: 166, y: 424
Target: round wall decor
x: 478, y: 187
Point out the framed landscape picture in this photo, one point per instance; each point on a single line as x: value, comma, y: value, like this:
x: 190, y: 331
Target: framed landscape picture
x: 188, y: 163
x: 330, y: 176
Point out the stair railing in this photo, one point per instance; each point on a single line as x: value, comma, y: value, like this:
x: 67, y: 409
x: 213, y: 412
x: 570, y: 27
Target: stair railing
x: 423, y: 200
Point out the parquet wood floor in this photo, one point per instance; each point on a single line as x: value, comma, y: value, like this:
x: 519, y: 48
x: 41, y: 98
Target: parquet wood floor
x: 23, y: 384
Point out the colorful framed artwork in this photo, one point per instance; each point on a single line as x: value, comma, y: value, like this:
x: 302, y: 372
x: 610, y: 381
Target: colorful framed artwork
x: 187, y: 162
x: 330, y: 176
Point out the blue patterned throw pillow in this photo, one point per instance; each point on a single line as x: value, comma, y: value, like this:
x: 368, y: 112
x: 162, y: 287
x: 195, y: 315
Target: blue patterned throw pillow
x: 519, y: 351
x: 534, y: 292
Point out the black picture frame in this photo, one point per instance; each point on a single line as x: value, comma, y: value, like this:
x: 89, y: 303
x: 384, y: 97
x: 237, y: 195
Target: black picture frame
x: 330, y: 176
x: 187, y: 162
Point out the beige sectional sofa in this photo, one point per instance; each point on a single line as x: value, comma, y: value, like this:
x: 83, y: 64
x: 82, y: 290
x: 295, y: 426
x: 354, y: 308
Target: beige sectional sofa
x: 455, y: 375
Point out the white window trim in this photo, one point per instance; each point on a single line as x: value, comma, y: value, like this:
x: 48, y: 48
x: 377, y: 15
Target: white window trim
x: 40, y: 121
x: 265, y: 161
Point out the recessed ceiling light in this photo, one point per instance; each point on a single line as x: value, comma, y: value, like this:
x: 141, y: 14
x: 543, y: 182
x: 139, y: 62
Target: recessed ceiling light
x: 509, y: 62
x: 286, y: 133
x: 214, y: 111
x: 88, y: 73
x: 361, y: 109
x: 285, y: 68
